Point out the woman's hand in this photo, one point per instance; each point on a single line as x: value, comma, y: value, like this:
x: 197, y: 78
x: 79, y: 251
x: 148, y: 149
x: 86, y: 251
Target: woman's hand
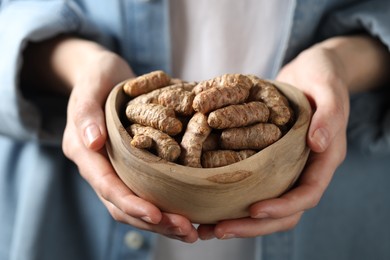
x: 316, y: 73
x: 88, y: 72
x: 326, y: 73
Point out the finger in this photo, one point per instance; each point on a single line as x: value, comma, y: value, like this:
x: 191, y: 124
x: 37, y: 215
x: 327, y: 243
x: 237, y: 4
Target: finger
x: 86, y: 105
x: 171, y: 225
x: 329, y: 119
x: 120, y: 216
x: 206, y: 232
x: 248, y: 227
x: 106, y: 183
x: 179, y: 227
x: 328, y: 96
x: 305, y: 196
x: 311, y: 186
x: 88, y: 118
x: 95, y: 168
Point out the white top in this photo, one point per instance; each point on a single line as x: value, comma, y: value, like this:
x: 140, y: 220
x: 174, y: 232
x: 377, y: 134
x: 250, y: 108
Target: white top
x: 214, y: 249
x: 211, y: 38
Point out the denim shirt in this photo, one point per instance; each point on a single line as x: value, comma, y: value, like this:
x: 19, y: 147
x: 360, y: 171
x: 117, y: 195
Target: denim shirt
x: 47, y: 211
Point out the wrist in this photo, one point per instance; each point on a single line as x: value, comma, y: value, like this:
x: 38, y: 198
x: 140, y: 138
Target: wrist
x: 101, y: 71
x: 70, y: 59
x: 363, y: 60
x: 61, y: 61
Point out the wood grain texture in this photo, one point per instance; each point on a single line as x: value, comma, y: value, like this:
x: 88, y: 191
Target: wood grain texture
x: 209, y: 195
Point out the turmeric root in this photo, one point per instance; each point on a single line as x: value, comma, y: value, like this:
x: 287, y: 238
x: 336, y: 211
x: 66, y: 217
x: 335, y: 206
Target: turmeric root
x: 217, y: 97
x: 142, y: 141
x: 280, y: 111
x: 223, y: 81
x: 225, y: 90
x: 146, y: 83
x: 193, y: 138
x: 177, y: 99
x: 156, y: 116
x: 186, y: 86
x: 239, y: 115
x: 164, y: 145
x: 255, y: 137
x: 220, y: 158
x: 206, y: 84
x: 152, y: 97
x: 211, y: 143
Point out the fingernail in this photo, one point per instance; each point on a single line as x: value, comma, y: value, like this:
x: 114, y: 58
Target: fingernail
x: 321, y: 136
x: 207, y: 236
x: 228, y: 236
x: 147, y: 219
x: 180, y: 238
x: 92, y: 132
x: 261, y: 215
x: 175, y: 231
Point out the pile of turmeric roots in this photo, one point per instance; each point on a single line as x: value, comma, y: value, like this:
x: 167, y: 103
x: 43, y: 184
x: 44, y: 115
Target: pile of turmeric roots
x: 207, y: 124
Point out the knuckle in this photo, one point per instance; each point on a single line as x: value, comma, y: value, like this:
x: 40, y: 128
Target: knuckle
x: 339, y: 153
x: 342, y: 155
x: 314, y: 201
x: 292, y: 221
x: 66, y: 149
x: 69, y: 148
x: 336, y: 111
x: 81, y: 111
x: 115, y: 213
x: 103, y: 188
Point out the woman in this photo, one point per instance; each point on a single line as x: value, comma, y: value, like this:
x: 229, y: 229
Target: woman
x: 70, y: 54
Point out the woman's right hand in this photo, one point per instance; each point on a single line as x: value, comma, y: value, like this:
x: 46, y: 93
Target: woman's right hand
x: 88, y: 72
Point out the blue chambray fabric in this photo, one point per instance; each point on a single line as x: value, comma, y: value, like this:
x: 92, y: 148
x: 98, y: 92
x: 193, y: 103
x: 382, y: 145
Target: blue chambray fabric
x: 36, y: 20
x: 47, y: 211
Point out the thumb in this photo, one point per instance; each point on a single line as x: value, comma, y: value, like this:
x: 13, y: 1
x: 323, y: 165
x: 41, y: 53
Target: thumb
x: 319, y: 137
x: 327, y: 122
x: 88, y: 118
x: 88, y: 98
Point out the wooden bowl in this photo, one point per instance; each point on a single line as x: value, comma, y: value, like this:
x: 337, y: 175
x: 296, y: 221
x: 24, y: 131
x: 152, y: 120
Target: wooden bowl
x: 211, y: 194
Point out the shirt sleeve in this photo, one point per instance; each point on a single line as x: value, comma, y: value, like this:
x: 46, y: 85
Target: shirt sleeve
x: 369, y: 122
x: 32, y: 21
x: 367, y: 16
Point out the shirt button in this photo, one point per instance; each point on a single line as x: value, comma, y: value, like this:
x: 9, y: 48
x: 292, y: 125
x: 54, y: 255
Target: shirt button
x: 134, y: 240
